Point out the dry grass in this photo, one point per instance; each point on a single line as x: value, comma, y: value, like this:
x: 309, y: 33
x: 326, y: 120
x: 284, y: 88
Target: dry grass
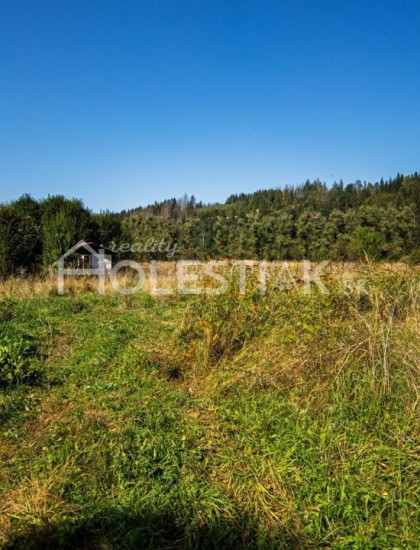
x: 164, y: 276
x: 33, y: 502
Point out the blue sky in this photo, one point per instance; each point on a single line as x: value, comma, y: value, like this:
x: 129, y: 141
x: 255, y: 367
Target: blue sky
x: 122, y: 103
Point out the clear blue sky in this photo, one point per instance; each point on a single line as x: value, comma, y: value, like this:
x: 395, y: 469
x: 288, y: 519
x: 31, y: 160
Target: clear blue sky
x: 123, y: 102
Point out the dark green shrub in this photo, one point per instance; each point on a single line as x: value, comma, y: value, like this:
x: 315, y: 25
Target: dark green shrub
x: 414, y: 257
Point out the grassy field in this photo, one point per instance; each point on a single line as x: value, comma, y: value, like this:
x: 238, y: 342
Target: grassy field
x: 285, y: 420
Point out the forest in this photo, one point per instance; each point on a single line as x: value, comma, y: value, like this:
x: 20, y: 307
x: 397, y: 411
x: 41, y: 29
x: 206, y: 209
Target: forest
x: 380, y: 221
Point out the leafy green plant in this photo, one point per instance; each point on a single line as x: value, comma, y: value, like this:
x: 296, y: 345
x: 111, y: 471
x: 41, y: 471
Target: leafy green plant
x: 18, y: 362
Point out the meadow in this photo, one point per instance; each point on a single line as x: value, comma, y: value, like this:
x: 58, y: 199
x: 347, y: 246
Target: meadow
x: 241, y: 420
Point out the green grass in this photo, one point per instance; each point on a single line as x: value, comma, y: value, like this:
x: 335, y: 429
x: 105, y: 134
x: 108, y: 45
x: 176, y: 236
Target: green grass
x: 278, y: 421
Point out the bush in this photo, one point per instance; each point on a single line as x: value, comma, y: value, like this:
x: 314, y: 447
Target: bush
x: 414, y: 257
x: 18, y: 362
x: 220, y: 325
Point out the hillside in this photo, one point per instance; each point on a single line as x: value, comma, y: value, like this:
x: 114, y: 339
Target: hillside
x: 311, y: 221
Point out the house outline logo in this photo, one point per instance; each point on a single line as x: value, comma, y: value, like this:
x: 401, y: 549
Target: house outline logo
x: 101, y: 262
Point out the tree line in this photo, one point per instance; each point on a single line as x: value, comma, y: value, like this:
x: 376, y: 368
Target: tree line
x: 313, y: 221
x: 34, y: 234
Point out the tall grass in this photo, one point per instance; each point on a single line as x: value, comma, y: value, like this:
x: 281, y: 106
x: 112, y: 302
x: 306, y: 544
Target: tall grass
x: 277, y: 420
